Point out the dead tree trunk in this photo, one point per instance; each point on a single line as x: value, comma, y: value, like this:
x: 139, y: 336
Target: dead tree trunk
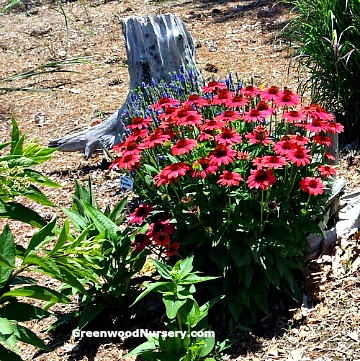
x: 155, y: 47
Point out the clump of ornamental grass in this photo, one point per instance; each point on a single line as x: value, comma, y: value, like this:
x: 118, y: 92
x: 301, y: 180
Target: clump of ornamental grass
x: 234, y: 175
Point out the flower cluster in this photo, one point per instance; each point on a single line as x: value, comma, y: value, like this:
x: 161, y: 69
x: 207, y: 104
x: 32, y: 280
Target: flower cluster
x: 208, y: 135
x: 158, y: 234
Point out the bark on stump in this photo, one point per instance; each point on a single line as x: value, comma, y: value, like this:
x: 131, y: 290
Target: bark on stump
x: 156, y: 47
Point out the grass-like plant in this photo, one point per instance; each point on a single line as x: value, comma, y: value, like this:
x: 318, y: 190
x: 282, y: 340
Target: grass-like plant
x: 325, y: 37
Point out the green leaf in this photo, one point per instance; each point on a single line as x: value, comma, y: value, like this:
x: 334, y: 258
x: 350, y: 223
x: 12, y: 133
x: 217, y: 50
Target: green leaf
x: 163, y: 269
x: 102, y: 223
x: 8, y: 355
x: 79, y: 222
x: 37, y: 292
x: 40, y: 178
x: 172, y: 305
x: 151, y: 169
x: 18, y: 147
x: 152, y: 287
x: 147, y: 346
x: 186, y: 266
x: 7, y: 255
x: 21, y: 213
x: 63, y: 237
x: 88, y: 314
x: 4, y: 145
x: 15, y: 134
x: 193, y: 278
x: 23, y: 334
x: 209, y: 343
x: 22, y: 312
x: 40, y: 236
x: 118, y: 209
x: 204, y: 309
x: 36, y: 195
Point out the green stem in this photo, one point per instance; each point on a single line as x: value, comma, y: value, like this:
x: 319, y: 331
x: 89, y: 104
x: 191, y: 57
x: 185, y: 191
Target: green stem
x: 262, y: 210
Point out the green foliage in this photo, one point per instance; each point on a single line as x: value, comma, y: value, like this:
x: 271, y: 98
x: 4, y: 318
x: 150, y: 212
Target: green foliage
x: 18, y: 179
x: 184, y: 314
x: 115, y: 263
x: 325, y: 37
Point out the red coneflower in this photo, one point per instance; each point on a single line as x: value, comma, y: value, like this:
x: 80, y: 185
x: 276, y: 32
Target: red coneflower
x: 162, y: 239
x: 129, y: 161
x: 260, y: 179
x: 274, y: 161
x: 250, y: 91
x: 228, y: 116
x: 160, y: 227
x: 137, y: 135
x: 293, y: 116
x: 156, y: 138
x: 140, y: 213
x: 322, y: 139
x: 140, y: 242
x: 165, y: 102
x: 299, y: 139
x: 327, y: 170
x: 259, y: 136
x: 312, y: 185
x: 140, y: 123
x: 264, y: 109
x: 190, y: 120
x: 243, y: 155
x: 299, y: 156
x: 213, y: 86
x: 237, y: 101
x: 229, y: 179
x: 221, y: 155
x: 184, y: 146
x: 172, y: 249
x: 197, y: 100
x: 222, y: 97
x: 269, y: 93
x: 316, y: 126
x: 333, y: 127
x: 282, y: 147
x: 228, y: 137
x: 129, y: 147
x: 286, y: 98
x: 212, y: 125
x: 253, y: 115
x: 172, y: 172
x: 202, y: 167
x: 258, y: 162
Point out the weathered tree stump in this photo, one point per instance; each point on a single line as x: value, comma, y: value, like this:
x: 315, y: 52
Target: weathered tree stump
x: 156, y: 47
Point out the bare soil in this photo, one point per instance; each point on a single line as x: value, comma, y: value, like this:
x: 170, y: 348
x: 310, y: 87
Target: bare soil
x: 231, y: 35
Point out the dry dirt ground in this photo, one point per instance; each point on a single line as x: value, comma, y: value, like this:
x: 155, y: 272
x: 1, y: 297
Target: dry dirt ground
x: 230, y: 35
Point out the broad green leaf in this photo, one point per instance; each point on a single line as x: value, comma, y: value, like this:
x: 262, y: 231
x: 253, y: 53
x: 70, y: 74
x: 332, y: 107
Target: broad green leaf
x: 40, y: 178
x: 209, y: 343
x: 7, y: 253
x: 147, y: 346
x: 7, y: 333
x: 118, y: 209
x: 23, y: 280
x: 8, y: 355
x: 204, y: 309
x: 18, y: 147
x: 44, y: 264
x: 186, y: 266
x: 23, y: 334
x: 172, y: 305
x: 36, y: 195
x: 101, y: 221
x: 37, y: 292
x: 40, y: 236
x: 89, y: 314
x: 151, y: 169
x: 4, y: 145
x: 193, y: 278
x: 82, y: 236
x: 163, y: 269
x: 152, y: 287
x: 21, y: 213
x: 21, y: 312
x: 79, y: 222
x: 63, y: 237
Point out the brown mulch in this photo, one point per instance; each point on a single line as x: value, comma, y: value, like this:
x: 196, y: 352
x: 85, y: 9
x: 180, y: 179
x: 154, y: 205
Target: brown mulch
x: 232, y: 36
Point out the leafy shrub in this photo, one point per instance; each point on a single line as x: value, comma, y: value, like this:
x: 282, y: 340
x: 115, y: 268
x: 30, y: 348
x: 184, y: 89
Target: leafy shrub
x: 17, y: 178
x: 238, y: 176
x: 184, y: 314
x: 42, y: 255
x: 115, y: 264
x: 325, y: 37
